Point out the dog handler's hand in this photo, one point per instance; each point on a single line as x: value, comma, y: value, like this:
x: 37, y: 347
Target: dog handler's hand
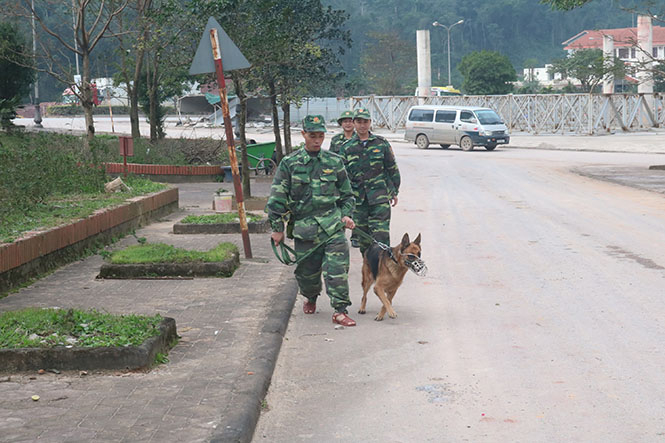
x: 348, y: 222
x: 393, y: 201
x: 277, y: 237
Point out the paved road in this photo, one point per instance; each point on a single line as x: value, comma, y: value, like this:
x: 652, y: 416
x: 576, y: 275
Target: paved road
x: 541, y: 318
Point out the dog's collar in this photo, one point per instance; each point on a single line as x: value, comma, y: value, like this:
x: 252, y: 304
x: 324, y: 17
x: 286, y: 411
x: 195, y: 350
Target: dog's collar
x: 388, y: 249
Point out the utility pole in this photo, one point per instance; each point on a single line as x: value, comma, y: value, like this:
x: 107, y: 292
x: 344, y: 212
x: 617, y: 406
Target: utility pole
x: 38, y: 111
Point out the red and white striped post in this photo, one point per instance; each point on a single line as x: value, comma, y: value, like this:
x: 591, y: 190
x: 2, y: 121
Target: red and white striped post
x: 219, y: 69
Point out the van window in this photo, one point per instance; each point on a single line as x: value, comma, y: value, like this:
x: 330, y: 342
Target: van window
x: 445, y: 116
x: 488, y: 117
x: 467, y: 116
x: 421, y: 115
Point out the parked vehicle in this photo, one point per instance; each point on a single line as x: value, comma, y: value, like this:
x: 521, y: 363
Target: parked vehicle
x: 465, y: 126
x: 441, y: 91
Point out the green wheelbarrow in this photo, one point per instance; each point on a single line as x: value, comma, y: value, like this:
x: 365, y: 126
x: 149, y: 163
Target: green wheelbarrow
x: 260, y: 157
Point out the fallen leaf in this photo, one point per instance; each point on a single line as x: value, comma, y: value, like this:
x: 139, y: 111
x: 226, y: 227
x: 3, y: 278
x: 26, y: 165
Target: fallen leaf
x: 35, y: 397
x: 41, y: 371
x: 250, y: 373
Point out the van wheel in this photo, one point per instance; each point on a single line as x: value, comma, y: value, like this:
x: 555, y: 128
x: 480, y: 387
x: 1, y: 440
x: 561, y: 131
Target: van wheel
x: 466, y: 144
x: 444, y: 146
x: 422, y: 141
x: 490, y: 147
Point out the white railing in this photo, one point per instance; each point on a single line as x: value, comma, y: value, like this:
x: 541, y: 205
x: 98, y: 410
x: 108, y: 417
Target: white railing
x: 536, y: 113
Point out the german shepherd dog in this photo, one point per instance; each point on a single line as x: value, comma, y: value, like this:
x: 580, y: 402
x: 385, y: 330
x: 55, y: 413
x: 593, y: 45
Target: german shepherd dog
x: 385, y: 269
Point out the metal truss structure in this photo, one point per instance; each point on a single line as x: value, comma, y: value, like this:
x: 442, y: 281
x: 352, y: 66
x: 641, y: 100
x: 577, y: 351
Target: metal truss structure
x: 537, y: 113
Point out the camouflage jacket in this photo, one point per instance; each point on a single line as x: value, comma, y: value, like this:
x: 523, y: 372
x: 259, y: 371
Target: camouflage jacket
x: 337, y: 141
x: 372, y: 169
x: 315, y: 190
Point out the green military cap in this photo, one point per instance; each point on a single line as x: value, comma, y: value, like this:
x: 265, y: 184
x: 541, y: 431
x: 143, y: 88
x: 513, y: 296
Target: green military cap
x: 345, y: 114
x: 314, y: 123
x: 362, y: 113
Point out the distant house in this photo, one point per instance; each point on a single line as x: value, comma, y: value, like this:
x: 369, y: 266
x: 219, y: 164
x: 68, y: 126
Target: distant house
x: 625, y: 42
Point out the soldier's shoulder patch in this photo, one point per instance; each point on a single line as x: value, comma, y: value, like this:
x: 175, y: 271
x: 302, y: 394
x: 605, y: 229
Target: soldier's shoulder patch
x: 376, y: 150
x: 327, y: 171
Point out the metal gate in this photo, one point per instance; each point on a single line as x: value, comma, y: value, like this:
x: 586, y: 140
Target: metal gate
x: 537, y: 113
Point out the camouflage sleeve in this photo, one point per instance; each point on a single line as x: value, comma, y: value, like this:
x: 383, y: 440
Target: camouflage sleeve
x: 279, y: 197
x: 392, y: 171
x: 347, y: 202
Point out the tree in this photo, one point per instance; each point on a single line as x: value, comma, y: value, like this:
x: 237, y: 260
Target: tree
x: 589, y: 67
x: 659, y: 77
x: 487, y: 72
x: 168, y: 50
x: 566, y: 5
x: 90, y: 24
x: 15, y: 79
x: 388, y: 63
x: 132, y: 35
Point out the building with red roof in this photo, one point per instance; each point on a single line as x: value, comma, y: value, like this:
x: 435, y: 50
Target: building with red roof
x: 625, y: 42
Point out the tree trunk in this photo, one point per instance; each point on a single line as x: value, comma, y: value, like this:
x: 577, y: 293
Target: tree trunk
x: 242, y: 120
x: 133, y: 92
x: 275, y: 121
x: 86, y: 97
x: 286, y: 109
x: 153, y: 97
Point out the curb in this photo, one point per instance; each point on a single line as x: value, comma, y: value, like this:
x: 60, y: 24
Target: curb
x: 118, y: 357
x: 241, y: 415
x: 224, y: 268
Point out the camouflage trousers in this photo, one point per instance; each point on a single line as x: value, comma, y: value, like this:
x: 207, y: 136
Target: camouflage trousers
x: 373, y: 220
x: 331, y: 260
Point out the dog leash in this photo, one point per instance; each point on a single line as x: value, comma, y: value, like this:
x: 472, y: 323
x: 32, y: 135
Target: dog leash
x: 383, y: 246
x: 288, y: 256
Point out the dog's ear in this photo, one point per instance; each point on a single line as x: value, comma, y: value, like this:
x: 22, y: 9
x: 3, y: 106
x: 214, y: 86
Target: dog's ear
x: 417, y: 240
x: 405, y: 242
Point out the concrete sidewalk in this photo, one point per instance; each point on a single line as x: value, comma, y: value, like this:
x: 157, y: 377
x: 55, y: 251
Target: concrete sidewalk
x: 217, y: 375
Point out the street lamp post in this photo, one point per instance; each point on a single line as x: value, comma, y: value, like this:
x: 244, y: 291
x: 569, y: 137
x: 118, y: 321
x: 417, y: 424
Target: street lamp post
x: 448, y: 28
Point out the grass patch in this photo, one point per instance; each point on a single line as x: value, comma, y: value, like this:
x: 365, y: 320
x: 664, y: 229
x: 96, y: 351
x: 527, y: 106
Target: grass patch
x: 39, y: 328
x: 162, y: 253
x: 62, y: 209
x: 228, y: 217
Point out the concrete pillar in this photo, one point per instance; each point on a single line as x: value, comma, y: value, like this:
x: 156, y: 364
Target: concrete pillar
x: 644, y: 49
x: 424, y: 63
x: 608, y: 55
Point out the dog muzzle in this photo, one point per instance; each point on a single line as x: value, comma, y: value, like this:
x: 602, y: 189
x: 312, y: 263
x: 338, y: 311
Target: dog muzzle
x: 416, y: 264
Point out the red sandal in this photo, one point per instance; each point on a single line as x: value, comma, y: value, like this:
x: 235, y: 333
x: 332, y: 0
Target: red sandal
x: 309, y: 307
x: 342, y: 319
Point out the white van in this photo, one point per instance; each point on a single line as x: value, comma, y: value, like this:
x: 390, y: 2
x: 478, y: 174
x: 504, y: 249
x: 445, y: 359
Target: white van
x: 465, y: 126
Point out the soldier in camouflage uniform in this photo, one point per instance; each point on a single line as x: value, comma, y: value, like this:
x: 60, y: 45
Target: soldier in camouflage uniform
x: 312, y: 186
x: 346, y: 122
x: 370, y: 163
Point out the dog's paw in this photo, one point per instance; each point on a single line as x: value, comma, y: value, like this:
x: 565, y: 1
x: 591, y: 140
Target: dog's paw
x: 361, y: 311
x: 393, y: 315
x: 378, y: 318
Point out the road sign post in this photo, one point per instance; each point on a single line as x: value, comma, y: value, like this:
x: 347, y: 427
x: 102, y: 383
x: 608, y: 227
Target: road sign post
x: 233, y: 59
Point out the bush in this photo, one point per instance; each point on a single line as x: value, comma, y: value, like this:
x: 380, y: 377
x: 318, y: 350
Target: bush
x: 180, y: 151
x: 35, y: 166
